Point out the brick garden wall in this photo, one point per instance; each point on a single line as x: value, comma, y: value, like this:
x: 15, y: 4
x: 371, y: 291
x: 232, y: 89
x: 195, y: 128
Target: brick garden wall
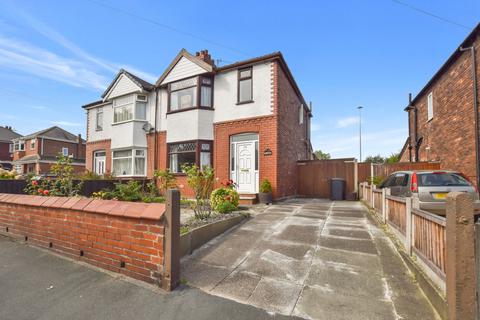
x: 450, y: 135
x: 122, y: 237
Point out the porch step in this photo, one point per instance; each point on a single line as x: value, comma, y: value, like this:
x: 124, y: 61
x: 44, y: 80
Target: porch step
x: 248, y: 198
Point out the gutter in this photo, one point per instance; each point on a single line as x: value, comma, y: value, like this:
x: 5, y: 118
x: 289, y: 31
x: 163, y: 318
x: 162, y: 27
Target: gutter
x: 411, y: 107
x: 155, y: 136
x: 475, y: 108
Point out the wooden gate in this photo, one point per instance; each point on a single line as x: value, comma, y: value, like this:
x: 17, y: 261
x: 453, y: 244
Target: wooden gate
x: 314, y: 177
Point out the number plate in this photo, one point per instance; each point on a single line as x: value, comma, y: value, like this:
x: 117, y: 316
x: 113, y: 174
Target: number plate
x: 440, y: 196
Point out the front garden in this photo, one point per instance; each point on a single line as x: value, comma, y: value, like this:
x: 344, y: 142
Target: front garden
x: 208, y: 205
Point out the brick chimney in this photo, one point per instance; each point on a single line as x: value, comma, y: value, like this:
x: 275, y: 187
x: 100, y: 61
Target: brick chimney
x: 205, y: 56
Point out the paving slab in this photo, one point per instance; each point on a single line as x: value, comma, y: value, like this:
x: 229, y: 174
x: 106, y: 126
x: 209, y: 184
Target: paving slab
x: 310, y: 258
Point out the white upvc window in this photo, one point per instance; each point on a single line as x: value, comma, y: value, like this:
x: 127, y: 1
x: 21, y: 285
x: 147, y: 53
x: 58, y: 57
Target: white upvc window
x: 430, y: 106
x: 10, y: 148
x: 131, y: 107
x: 65, y: 151
x: 99, y: 120
x: 19, y: 146
x: 300, y: 114
x: 32, y: 144
x: 129, y: 162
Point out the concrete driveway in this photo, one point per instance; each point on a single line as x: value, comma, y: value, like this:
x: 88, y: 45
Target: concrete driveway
x: 310, y: 258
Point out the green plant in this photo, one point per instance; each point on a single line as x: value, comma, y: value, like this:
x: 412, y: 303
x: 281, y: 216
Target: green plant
x: 201, y: 181
x: 377, y: 180
x: 40, y: 187
x: 166, y: 180
x: 184, y: 229
x: 265, y: 186
x: 151, y: 199
x: 224, y: 199
x: 130, y: 191
x: 64, y: 173
x: 151, y: 188
x: 225, y: 207
x: 322, y: 155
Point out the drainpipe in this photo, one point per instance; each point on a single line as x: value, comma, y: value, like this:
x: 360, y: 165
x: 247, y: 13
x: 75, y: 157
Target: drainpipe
x: 155, y: 135
x: 415, y: 125
x: 475, y: 108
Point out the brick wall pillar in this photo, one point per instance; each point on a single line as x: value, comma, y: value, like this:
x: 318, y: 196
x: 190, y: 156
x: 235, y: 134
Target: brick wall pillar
x: 171, y: 271
x: 460, y: 261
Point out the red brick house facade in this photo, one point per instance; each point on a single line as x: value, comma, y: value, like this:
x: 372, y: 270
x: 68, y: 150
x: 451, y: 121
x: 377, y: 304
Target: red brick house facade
x: 37, y: 152
x: 7, y: 134
x: 443, y: 117
x: 248, y: 120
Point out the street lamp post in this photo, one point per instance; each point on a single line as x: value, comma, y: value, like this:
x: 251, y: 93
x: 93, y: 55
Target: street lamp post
x: 360, y: 129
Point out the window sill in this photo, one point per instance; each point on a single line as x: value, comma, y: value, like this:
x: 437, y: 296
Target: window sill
x: 179, y: 174
x: 127, y: 121
x: 245, y: 102
x: 97, y: 130
x: 188, y: 109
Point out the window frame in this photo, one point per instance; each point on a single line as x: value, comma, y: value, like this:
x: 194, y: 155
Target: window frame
x: 198, y: 90
x: 63, y: 151
x: 97, y: 113
x: 11, y: 147
x: 132, y: 158
x: 32, y: 144
x: 430, y: 112
x: 198, y: 151
x: 134, y: 108
x: 301, y: 115
x: 239, y: 79
x: 19, y: 145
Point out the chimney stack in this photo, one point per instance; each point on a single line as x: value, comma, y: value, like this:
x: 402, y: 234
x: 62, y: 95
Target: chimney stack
x: 205, y: 56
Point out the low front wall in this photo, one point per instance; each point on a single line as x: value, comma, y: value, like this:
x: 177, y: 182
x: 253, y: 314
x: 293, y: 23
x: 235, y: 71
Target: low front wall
x: 123, y: 237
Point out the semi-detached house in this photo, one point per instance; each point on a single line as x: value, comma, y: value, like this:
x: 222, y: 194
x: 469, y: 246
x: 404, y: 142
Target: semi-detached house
x: 248, y: 120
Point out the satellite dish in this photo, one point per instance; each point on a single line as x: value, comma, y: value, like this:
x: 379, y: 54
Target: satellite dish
x: 147, y: 127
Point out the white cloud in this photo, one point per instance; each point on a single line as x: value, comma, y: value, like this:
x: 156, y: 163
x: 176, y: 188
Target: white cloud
x: 33, y: 60
x: 66, y: 123
x: 347, y: 122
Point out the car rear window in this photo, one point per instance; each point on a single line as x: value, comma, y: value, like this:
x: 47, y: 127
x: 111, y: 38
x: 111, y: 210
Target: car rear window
x: 441, y: 179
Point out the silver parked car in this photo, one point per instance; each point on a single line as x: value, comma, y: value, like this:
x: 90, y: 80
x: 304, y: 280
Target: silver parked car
x: 432, y: 187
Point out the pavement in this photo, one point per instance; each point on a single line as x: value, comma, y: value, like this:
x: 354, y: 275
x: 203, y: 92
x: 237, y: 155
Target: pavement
x: 314, y: 259
x: 36, y: 284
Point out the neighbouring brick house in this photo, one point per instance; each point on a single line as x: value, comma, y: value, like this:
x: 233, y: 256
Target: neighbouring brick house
x: 7, y: 134
x: 443, y: 117
x: 248, y: 120
x: 37, y: 152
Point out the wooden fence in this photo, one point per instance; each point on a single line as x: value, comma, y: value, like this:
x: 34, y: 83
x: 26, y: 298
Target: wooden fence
x: 313, y: 177
x: 422, y: 233
x: 429, y: 239
x: 397, y: 213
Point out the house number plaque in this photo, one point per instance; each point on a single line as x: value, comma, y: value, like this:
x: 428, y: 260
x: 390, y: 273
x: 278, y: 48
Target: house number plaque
x: 267, y: 152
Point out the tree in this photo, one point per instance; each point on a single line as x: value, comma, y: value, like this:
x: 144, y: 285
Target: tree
x: 393, y: 158
x: 375, y: 159
x: 322, y: 155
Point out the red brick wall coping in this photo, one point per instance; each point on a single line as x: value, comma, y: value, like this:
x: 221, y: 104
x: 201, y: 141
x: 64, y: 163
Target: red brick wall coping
x: 150, y: 211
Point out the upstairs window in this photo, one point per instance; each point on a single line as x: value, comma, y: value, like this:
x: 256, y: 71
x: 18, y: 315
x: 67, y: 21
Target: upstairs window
x: 99, y: 120
x: 190, y: 93
x: 20, y: 146
x: 65, y: 152
x: 430, y: 106
x: 10, y: 148
x: 300, y: 114
x: 32, y: 144
x: 131, y: 107
x: 245, y: 87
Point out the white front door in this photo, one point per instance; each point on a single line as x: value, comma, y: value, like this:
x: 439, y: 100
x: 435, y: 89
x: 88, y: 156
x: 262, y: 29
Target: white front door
x: 99, y: 162
x: 244, y: 162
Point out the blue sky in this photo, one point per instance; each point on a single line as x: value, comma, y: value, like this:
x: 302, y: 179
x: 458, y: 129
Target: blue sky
x: 58, y: 55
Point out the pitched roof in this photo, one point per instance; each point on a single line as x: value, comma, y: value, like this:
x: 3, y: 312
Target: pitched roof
x: 184, y: 53
x: 53, y: 133
x: 145, y: 85
x: 8, y: 134
x: 466, y: 42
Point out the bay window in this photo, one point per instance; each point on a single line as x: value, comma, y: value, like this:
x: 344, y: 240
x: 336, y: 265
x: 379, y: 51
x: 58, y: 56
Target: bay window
x: 129, y: 162
x: 189, y: 153
x: 131, y: 107
x: 190, y: 93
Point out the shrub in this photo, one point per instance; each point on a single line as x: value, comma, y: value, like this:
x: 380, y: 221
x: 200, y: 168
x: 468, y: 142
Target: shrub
x: 166, y: 180
x: 153, y: 199
x: 224, y: 199
x: 201, y: 182
x: 64, y: 173
x: 225, y: 207
x: 265, y: 186
x: 130, y: 191
x: 8, y: 175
